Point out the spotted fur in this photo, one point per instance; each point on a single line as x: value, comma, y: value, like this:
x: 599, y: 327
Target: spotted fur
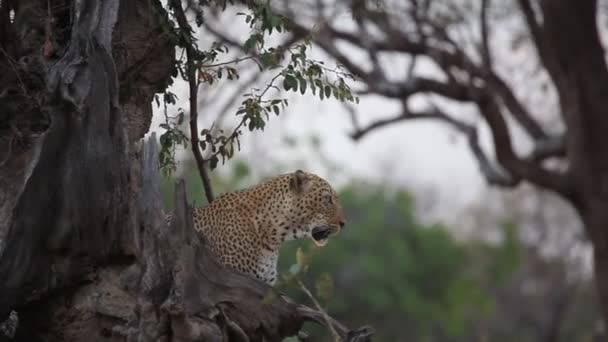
x: 245, y: 229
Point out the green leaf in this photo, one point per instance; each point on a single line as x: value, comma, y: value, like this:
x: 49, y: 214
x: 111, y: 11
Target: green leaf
x: 169, y: 98
x: 166, y: 141
x: 302, y: 85
x: 213, y: 162
x: 325, y: 286
x: 300, y: 258
x: 275, y: 21
x: 249, y: 43
x: 267, y: 59
x: 290, y: 82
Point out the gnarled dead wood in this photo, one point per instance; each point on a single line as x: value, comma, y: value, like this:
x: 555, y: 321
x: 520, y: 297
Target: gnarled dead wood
x: 85, y: 252
x: 198, y: 298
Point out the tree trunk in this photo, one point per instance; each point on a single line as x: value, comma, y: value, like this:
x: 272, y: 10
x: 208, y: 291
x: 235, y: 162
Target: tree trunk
x: 580, y: 74
x: 85, y: 253
x: 599, y: 226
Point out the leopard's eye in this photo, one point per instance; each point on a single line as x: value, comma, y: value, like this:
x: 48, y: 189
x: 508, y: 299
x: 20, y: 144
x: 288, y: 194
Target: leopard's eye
x: 328, y: 199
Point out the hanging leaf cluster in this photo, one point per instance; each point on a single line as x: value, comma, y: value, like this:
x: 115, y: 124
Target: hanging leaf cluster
x: 293, y: 71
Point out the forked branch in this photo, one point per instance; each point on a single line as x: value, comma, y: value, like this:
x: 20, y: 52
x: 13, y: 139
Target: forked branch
x: 493, y: 173
x: 466, y: 81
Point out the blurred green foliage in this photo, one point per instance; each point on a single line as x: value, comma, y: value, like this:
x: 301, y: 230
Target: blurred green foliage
x: 405, y: 278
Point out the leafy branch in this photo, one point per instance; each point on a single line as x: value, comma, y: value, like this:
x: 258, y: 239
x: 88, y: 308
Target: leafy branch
x: 172, y: 136
x: 297, y: 73
x: 300, y: 74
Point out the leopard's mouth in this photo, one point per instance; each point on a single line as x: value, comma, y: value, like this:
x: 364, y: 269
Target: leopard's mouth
x: 320, y: 235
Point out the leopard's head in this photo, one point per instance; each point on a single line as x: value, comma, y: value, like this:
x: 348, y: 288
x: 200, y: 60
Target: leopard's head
x: 314, y: 208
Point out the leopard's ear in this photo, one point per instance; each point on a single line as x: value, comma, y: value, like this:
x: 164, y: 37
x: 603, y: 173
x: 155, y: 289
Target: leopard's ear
x: 299, y: 181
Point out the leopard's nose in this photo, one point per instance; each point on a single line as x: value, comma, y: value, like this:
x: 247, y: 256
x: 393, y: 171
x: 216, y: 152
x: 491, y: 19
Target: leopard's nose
x: 342, y: 223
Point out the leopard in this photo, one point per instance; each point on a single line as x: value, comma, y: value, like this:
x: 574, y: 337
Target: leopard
x: 245, y: 229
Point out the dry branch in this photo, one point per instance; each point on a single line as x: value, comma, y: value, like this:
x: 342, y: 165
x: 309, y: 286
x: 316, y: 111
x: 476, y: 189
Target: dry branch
x: 494, y: 174
x: 482, y: 86
x: 196, y: 286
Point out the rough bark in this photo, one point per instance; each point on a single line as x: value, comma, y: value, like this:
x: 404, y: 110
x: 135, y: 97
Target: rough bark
x: 579, y: 71
x: 83, y: 155
x: 85, y: 253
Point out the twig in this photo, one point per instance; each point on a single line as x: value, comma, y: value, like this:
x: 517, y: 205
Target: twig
x: 193, y: 85
x: 240, y: 90
x: 235, y: 131
x: 485, y: 46
x: 362, y: 334
x: 318, y: 306
x: 234, y: 61
x: 353, y: 117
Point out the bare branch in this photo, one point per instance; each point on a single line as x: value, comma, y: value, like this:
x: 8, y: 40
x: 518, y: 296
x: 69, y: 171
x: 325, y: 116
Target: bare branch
x: 536, y: 31
x: 362, y: 334
x: 323, y: 313
x: 486, y: 55
x: 445, y: 59
x: 411, y: 67
x: 521, y: 168
x: 492, y: 172
x: 516, y: 108
x: 415, y: 85
x: 515, y: 168
x: 530, y: 18
x: 553, y: 146
x: 458, y: 92
x: 480, y: 85
x: 352, y: 115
